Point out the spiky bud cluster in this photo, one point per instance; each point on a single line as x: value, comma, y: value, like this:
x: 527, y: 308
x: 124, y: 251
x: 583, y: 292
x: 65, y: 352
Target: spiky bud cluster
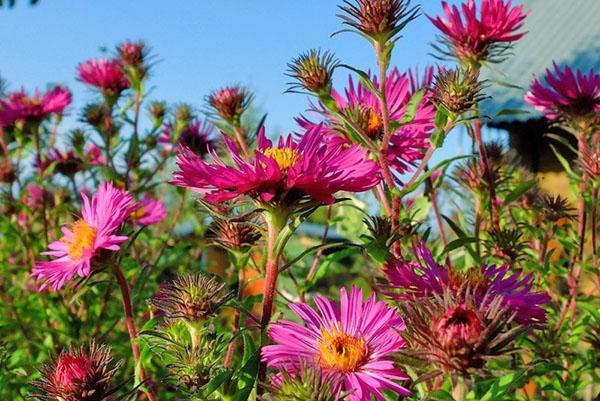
x: 457, y: 90
x: 459, y: 334
x: 304, y: 384
x: 96, y: 114
x: 554, y: 208
x: 193, y: 297
x: 379, y: 20
x: 229, y: 103
x: 132, y: 56
x: 232, y: 235
x: 506, y: 244
x: 82, y: 374
x: 312, y: 71
x: 157, y: 112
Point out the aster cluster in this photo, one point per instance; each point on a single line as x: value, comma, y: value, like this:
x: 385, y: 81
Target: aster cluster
x: 179, y: 234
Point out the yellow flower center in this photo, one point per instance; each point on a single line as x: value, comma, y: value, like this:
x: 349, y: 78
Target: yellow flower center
x: 374, y: 123
x: 83, y: 238
x: 473, y: 276
x: 285, y: 157
x: 138, y: 213
x: 341, y: 352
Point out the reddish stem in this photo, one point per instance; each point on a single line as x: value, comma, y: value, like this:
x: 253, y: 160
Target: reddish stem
x: 130, y: 322
x: 236, y: 321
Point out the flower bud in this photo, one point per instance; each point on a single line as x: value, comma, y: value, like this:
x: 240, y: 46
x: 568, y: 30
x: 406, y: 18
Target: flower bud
x: 157, y: 112
x: 229, y: 103
x: 235, y: 236
x: 313, y: 71
x: 77, y: 375
x: 193, y: 298
x: 457, y: 90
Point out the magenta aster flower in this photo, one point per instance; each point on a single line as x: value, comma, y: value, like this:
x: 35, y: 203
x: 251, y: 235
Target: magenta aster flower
x: 474, y: 38
x: 96, y: 230
x: 567, y: 94
x: 94, y: 154
x: 426, y: 278
x: 362, y: 106
x: 281, y: 174
x: 18, y: 106
x: 351, y: 342
x: 196, y: 135
x: 148, y: 211
x: 104, y: 74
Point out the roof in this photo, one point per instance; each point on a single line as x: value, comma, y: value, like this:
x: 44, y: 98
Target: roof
x: 565, y: 31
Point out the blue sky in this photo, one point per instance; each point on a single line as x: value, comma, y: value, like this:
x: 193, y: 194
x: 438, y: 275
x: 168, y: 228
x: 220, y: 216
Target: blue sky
x: 200, y: 45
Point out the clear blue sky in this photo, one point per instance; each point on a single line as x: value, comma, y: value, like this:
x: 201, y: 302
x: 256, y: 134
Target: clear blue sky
x: 200, y: 44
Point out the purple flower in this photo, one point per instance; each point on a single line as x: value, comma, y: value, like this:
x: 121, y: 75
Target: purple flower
x: 18, y: 106
x: 427, y: 278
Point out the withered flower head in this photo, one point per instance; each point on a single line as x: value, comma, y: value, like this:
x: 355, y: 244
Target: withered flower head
x: 229, y: 103
x: 380, y: 20
x: 554, y: 209
x: 77, y: 375
x: 457, y: 90
x: 457, y: 333
x: 232, y: 235
x: 506, y: 244
x: 304, y: 384
x: 312, y: 71
x: 193, y: 297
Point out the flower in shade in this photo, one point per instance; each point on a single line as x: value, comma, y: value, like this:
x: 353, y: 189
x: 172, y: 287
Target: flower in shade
x: 284, y: 174
x: 352, y: 343
x: 148, y: 211
x: 426, y: 278
x: 459, y: 335
x: 95, y: 231
x: 35, y: 196
x: 230, y: 102
x: 361, y: 106
x: 194, y: 297
x: 82, y: 374
x: 567, y: 94
x: 473, y: 38
x: 18, y: 106
x: 66, y: 163
x: 196, y: 135
x: 379, y: 20
x: 105, y: 74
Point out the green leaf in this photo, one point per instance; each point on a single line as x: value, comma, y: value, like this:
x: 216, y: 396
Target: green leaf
x: 511, y: 112
x: 365, y: 80
x: 413, y: 104
x: 518, y: 191
x: 457, y: 243
x: 247, y: 378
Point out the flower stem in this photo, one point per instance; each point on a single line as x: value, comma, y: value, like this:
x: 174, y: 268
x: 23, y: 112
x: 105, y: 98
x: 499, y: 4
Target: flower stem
x: 130, y: 322
x: 275, y: 223
x: 240, y: 137
x: 237, y: 317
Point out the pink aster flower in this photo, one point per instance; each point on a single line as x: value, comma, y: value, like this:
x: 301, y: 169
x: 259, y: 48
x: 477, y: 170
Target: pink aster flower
x: 425, y: 278
x: 567, y: 94
x: 196, y: 135
x: 283, y: 174
x: 104, y: 74
x: 351, y: 342
x: 362, y: 106
x: 18, y: 106
x: 94, y: 154
x: 474, y: 38
x: 96, y: 230
x: 148, y: 211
